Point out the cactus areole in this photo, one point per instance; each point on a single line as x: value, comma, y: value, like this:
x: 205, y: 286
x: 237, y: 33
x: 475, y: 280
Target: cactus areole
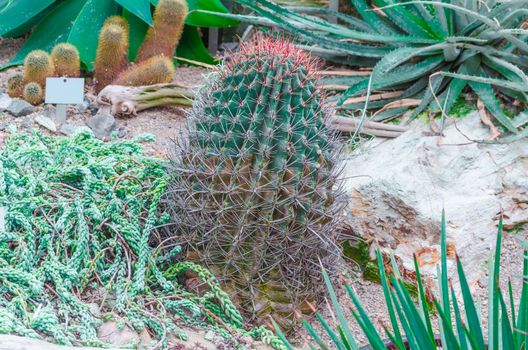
x: 255, y: 186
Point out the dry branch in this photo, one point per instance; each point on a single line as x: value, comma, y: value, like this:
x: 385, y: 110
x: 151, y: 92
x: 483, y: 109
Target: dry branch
x: 349, y: 124
x: 132, y: 99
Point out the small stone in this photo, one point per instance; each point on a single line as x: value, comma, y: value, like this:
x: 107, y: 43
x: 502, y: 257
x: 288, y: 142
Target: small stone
x: 2, y: 90
x: 3, y: 125
x: 122, y: 132
x: 111, y: 333
x: 68, y: 129
x: 102, y: 125
x: 20, y: 108
x: 27, y: 122
x: 5, y: 102
x: 46, y: 122
x: 94, y: 310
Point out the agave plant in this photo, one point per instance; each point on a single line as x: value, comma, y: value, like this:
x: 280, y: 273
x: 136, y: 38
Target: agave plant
x: 421, y: 53
x: 412, y: 325
x: 74, y: 21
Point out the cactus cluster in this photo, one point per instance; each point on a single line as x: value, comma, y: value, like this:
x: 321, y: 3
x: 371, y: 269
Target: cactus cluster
x: 37, y: 67
x: 15, y: 85
x: 64, y: 61
x: 154, y: 60
x: 163, y: 37
x: 33, y: 93
x: 255, y: 190
x: 112, y: 51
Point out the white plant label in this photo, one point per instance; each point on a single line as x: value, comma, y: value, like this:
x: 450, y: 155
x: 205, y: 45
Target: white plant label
x: 64, y: 91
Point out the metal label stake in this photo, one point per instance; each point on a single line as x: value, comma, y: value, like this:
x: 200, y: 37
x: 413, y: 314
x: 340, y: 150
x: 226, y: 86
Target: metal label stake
x: 62, y: 92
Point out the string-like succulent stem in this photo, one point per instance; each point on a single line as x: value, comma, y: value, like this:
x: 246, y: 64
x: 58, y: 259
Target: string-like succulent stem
x: 163, y: 37
x: 15, y: 85
x: 255, y: 186
x: 156, y: 70
x: 37, y: 67
x: 66, y: 60
x: 33, y: 93
x: 112, y: 51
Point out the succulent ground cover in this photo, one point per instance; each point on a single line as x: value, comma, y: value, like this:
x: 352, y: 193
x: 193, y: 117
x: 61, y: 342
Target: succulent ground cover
x: 80, y: 222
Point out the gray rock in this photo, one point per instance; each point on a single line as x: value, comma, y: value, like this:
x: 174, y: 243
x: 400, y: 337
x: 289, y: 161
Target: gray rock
x: 399, y: 187
x: 20, y: 108
x: 102, y: 125
x: 46, y: 122
x: 5, y: 102
x: 27, y: 122
x: 2, y: 90
x: 68, y: 129
x: 3, y: 125
x: 122, y: 132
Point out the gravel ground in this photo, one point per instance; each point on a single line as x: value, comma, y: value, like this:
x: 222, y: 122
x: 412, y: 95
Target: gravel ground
x: 165, y: 123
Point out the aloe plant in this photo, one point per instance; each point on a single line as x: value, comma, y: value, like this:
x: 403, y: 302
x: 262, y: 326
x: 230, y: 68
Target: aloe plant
x: 417, y: 50
x: 76, y: 21
x: 412, y: 325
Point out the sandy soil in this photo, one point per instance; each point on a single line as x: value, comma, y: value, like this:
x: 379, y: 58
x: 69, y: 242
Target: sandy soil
x: 165, y: 122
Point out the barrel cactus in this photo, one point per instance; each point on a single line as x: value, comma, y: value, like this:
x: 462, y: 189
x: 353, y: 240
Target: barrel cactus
x: 37, y: 67
x: 33, y: 93
x: 255, y: 191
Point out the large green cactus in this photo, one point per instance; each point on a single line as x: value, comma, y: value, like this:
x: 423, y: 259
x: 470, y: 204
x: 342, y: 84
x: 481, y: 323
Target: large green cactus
x: 256, y: 191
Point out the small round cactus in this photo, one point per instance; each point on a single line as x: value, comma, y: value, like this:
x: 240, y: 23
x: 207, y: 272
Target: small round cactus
x: 156, y: 70
x: 66, y: 60
x: 37, y: 67
x: 15, y: 85
x: 112, y: 51
x: 163, y: 37
x: 33, y: 93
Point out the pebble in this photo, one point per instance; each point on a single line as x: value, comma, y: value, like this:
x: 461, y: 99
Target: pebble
x: 5, y: 102
x: 46, y: 122
x: 68, y: 129
x: 102, y: 125
x: 20, y: 108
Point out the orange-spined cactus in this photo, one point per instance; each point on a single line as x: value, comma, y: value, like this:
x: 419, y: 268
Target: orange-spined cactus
x: 37, y: 67
x: 156, y: 70
x: 33, y: 93
x: 163, y: 37
x: 112, y: 52
x: 15, y: 85
x: 66, y: 60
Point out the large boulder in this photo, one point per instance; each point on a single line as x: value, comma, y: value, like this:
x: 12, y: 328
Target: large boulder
x: 398, y: 188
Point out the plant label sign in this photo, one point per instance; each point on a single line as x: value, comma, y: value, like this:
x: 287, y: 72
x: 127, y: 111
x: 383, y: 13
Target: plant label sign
x: 62, y: 92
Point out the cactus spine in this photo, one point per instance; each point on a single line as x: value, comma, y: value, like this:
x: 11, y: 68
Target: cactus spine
x: 15, y: 85
x: 163, y: 37
x: 33, y: 93
x: 255, y: 185
x: 37, y: 67
x: 112, y: 51
x: 66, y: 60
x: 156, y: 70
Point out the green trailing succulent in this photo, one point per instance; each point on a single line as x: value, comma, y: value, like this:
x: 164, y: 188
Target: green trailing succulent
x: 424, y: 52
x: 255, y: 190
x: 80, y: 215
x: 459, y: 321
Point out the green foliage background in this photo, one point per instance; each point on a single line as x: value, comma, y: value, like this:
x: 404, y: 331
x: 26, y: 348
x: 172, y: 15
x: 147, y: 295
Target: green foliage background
x: 78, y: 22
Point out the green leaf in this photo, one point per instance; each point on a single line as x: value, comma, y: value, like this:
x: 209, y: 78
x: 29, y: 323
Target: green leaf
x: 486, y: 94
x: 192, y: 47
x: 19, y: 12
x: 140, y: 8
x: 53, y: 29
x: 85, y: 30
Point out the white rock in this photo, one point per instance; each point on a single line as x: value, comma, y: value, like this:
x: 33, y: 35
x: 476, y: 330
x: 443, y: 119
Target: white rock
x: 46, y: 122
x: 5, y: 101
x: 399, y: 187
